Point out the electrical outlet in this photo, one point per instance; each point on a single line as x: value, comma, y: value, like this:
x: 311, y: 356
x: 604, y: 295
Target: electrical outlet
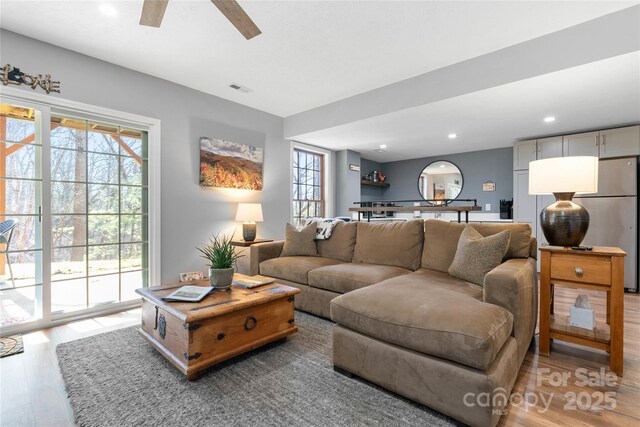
x: 487, y: 207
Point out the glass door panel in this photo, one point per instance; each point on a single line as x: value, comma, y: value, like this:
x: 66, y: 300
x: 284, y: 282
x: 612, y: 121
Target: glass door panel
x: 99, y: 207
x: 21, y: 248
x: 69, y: 225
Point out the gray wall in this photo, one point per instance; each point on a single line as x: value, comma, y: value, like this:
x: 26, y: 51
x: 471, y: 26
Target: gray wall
x: 477, y: 167
x: 189, y: 213
x: 368, y: 193
x: 347, y: 181
x: 367, y: 166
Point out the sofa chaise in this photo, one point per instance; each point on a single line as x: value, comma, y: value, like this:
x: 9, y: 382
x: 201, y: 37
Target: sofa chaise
x: 404, y: 323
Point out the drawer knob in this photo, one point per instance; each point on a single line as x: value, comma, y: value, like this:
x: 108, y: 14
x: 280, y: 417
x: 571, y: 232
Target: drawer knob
x: 579, y: 271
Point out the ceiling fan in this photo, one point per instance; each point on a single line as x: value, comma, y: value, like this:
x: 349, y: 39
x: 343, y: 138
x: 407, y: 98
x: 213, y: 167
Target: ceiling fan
x: 153, y: 11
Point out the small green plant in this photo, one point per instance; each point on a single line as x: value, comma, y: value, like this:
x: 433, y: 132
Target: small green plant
x: 219, y: 252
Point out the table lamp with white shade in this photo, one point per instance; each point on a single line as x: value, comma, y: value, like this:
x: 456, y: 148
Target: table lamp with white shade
x: 249, y: 213
x: 564, y: 223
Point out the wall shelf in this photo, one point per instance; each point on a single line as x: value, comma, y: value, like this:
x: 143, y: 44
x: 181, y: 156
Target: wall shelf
x: 374, y: 184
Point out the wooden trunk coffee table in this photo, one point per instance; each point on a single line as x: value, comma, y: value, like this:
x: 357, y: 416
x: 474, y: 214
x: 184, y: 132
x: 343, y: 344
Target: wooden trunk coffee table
x: 194, y: 336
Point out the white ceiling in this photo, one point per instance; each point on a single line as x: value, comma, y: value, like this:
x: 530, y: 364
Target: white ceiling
x: 592, y: 96
x: 311, y: 52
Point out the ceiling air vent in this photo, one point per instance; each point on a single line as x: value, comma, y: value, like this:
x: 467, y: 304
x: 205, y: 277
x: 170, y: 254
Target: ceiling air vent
x: 240, y: 88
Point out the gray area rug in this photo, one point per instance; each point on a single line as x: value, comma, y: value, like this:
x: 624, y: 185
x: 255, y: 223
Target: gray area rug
x: 117, y: 379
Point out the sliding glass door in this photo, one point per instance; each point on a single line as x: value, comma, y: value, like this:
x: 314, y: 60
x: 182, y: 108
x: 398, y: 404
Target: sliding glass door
x: 73, y: 214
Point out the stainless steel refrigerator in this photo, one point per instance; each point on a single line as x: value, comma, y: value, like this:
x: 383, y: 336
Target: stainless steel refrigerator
x: 614, y: 212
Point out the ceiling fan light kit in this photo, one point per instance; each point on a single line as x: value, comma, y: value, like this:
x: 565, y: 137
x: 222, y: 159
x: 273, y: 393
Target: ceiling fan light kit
x: 153, y: 12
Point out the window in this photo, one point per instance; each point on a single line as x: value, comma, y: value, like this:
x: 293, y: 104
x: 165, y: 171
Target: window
x: 308, y: 185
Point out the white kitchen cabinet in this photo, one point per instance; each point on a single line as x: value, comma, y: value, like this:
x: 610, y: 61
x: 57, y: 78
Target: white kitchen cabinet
x: 542, y: 202
x: 523, y: 153
x: 524, y: 205
x: 582, y: 144
x: 550, y: 147
x: 620, y: 142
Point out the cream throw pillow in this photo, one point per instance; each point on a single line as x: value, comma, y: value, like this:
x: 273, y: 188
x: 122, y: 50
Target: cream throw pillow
x: 477, y: 255
x: 300, y: 242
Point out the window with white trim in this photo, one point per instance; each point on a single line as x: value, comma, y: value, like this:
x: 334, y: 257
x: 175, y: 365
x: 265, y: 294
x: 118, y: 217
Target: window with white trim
x: 308, y: 185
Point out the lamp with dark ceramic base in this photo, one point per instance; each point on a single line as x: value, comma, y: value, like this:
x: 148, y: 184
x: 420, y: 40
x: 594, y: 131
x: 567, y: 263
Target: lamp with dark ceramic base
x: 564, y: 223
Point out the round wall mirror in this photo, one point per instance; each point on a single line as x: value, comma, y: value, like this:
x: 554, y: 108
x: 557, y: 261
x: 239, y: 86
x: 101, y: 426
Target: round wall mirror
x: 440, y: 180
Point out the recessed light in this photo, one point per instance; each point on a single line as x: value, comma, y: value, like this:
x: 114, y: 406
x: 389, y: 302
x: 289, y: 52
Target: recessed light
x: 441, y: 166
x: 108, y: 10
x: 549, y: 119
x: 383, y: 146
x: 452, y: 136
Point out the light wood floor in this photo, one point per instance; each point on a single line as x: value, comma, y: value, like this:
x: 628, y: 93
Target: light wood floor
x: 566, y: 358
x: 32, y: 391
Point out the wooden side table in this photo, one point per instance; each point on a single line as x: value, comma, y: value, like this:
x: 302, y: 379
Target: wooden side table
x: 244, y: 264
x: 245, y: 243
x: 601, y: 269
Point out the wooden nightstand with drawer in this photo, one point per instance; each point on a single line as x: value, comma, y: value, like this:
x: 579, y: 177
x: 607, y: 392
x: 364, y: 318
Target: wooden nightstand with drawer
x: 601, y: 269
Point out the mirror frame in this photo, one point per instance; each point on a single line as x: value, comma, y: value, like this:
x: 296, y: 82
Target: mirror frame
x: 420, y: 175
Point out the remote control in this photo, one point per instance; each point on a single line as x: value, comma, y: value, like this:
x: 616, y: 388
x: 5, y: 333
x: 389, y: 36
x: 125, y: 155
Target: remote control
x: 582, y: 248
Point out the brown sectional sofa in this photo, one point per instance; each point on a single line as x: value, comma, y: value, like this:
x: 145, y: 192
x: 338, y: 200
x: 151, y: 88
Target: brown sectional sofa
x: 404, y: 323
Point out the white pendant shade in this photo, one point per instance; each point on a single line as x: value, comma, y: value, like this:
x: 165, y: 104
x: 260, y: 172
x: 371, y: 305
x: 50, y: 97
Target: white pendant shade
x: 249, y: 212
x: 577, y: 174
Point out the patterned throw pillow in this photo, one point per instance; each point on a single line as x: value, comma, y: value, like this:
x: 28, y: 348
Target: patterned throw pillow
x: 477, y: 255
x: 325, y: 226
x: 300, y: 242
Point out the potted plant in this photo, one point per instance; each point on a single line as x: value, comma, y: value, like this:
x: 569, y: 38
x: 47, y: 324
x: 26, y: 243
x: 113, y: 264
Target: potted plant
x: 222, y: 260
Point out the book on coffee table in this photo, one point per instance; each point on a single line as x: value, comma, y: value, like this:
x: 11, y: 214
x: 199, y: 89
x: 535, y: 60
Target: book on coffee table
x: 189, y: 294
x: 248, y: 282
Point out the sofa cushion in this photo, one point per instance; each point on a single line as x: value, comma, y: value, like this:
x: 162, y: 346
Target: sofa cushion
x: 300, y: 242
x: 520, y: 237
x: 343, y: 278
x: 430, y: 320
x: 341, y: 243
x: 390, y: 243
x: 443, y: 281
x: 477, y: 255
x: 295, y: 268
x: 441, y: 241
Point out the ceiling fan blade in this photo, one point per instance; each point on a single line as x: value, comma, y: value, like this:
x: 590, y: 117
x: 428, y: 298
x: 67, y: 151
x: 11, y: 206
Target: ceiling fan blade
x: 238, y: 17
x: 152, y: 12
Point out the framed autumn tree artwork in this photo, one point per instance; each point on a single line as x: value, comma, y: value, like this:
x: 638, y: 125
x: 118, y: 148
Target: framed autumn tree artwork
x: 227, y: 164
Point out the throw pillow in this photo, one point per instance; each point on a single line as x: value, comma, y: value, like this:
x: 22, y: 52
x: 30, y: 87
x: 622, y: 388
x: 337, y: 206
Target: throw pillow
x: 300, y: 242
x: 325, y: 226
x: 477, y: 255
